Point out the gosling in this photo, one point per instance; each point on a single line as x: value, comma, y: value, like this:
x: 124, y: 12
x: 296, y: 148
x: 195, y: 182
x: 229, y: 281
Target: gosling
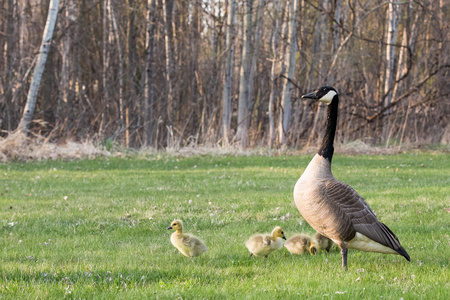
x: 187, y: 244
x: 323, y: 242
x: 264, y: 244
x: 300, y: 243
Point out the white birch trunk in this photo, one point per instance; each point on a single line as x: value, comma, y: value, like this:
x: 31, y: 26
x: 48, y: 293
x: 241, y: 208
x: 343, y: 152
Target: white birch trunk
x: 393, y: 13
x: 228, y: 82
x: 276, y: 23
x: 28, y: 112
x: 242, y: 126
x: 285, y: 108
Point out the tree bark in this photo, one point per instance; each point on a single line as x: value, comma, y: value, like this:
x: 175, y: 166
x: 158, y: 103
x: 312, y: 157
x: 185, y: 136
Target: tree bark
x: 276, y: 32
x: 9, y: 58
x: 392, y: 31
x: 27, y: 116
x: 228, y: 81
x: 169, y: 61
x: 242, y: 123
x: 63, y: 100
x: 285, y: 108
x: 149, y: 75
x: 255, y: 55
x: 115, y: 31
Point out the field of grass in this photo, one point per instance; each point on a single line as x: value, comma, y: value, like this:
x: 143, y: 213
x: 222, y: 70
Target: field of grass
x: 98, y: 228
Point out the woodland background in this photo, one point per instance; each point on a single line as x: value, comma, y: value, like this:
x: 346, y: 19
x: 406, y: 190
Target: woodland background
x: 177, y: 73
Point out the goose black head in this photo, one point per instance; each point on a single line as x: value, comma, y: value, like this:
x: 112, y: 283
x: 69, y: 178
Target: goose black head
x: 325, y: 94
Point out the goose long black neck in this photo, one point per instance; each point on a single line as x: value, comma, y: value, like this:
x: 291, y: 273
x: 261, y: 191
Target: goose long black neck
x: 327, y: 149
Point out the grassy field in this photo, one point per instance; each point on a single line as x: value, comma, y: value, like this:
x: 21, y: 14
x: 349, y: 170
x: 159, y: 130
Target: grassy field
x: 98, y: 228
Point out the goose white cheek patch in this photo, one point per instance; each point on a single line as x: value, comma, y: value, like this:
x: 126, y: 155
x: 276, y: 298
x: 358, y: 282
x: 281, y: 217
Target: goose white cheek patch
x: 328, y: 97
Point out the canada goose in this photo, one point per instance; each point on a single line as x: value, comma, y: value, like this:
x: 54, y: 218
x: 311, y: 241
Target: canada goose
x: 323, y: 243
x: 333, y: 208
x: 187, y: 244
x: 300, y: 243
x: 264, y: 244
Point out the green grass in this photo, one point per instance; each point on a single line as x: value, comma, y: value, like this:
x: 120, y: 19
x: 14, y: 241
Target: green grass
x: 98, y: 228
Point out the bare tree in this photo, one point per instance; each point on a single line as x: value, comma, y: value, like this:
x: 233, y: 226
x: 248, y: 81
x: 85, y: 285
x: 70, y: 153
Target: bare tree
x: 227, y: 89
x: 115, y: 66
x: 242, y: 126
x: 255, y: 55
x: 276, y: 32
x: 169, y: 62
x: 149, y: 74
x: 391, y: 38
x: 285, y: 108
x: 27, y: 116
x: 63, y: 100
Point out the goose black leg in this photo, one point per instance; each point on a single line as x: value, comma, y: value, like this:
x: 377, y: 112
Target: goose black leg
x: 344, y: 258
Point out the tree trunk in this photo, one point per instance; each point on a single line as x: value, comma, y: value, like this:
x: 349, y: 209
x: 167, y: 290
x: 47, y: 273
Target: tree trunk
x: 63, y: 100
x: 149, y: 75
x: 106, y: 52
x: 169, y: 62
x: 228, y: 82
x: 255, y: 56
x: 116, y: 34
x: 9, y: 58
x: 25, y: 122
x: 276, y: 27
x: 392, y: 30
x: 285, y: 109
x: 242, y: 122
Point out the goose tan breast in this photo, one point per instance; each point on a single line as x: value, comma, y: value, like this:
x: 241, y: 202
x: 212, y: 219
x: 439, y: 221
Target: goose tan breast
x: 313, y: 203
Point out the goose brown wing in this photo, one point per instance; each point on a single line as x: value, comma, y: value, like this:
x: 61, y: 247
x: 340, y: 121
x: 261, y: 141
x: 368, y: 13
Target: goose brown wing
x: 355, y: 208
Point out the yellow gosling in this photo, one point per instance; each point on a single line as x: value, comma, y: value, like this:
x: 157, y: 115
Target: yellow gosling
x: 323, y: 242
x: 187, y: 244
x: 300, y: 243
x: 264, y: 244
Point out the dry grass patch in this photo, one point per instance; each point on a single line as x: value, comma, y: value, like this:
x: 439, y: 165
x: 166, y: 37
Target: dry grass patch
x: 17, y: 146
x: 28, y: 148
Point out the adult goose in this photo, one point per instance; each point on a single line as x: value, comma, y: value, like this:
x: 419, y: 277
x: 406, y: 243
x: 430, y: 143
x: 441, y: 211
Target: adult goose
x: 333, y: 208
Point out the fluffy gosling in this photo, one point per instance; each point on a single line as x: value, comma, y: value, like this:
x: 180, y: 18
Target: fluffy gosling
x: 300, y: 243
x: 187, y: 244
x: 323, y: 242
x: 264, y: 244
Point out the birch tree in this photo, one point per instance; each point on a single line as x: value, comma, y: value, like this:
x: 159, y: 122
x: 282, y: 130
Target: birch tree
x: 242, y: 126
x: 28, y: 112
x: 228, y: 82
x: 285, y: 107
x: 391, y: 38
x: 276, y: 32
